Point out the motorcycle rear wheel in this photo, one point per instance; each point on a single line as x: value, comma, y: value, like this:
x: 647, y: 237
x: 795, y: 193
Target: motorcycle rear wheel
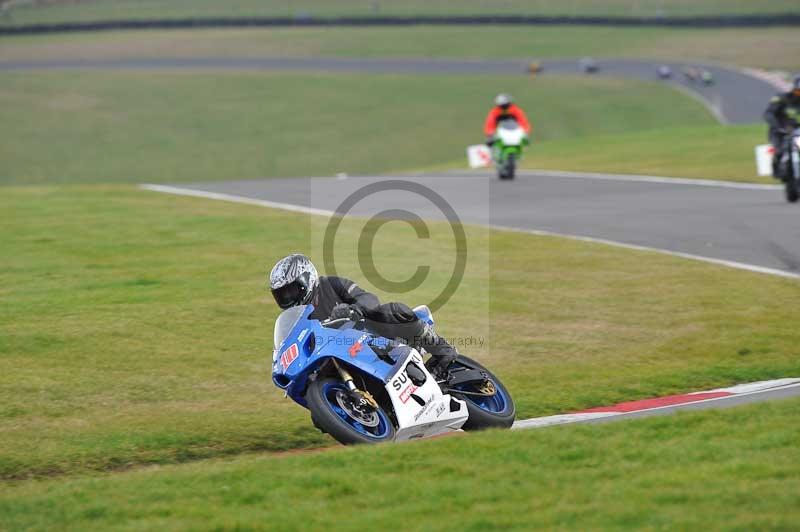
x: 792, y: 193
x: 497, y: 411
x: 327, y: 400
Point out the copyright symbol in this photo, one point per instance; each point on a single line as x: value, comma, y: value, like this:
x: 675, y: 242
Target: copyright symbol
x: 366, y: 238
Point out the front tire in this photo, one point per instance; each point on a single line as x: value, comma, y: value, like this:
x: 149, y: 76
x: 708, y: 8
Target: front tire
x: 505, y: 170
x: 511, y: 165
x: 497, y: 411
x: 332, y: 412
x: 502, y: 171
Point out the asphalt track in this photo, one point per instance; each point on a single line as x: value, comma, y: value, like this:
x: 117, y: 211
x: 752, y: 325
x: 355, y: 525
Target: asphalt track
x: 741, y: 224
x: 735, y: 97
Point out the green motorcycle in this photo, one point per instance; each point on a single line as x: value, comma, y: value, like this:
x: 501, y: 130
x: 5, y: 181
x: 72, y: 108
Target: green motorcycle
x: 507, y: 147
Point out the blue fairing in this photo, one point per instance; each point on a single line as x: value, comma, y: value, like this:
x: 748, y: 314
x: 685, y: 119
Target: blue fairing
x: 308, y: 344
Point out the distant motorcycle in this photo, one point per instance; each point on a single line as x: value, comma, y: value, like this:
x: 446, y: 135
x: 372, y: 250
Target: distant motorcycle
x: 691, y: 74
x: 664, y: 72
x: 507, y: 147
x: 788, y: 167
x: 588, y: 65
x: 534, y: 67
x: 363, y: 388
x: 706, y: 77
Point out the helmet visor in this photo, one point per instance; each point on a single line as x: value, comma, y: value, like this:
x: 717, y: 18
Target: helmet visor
x: 289, y: 295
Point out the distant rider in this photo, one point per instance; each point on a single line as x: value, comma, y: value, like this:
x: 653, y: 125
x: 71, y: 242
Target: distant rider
x: 782, y: 115
x: 294, y: 281
x: 504, y: 108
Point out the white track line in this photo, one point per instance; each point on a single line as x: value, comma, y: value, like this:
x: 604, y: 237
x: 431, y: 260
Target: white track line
x: 759, y: 386
x: 712, y: 108
x: 581, y: 417
x: 236, y: 199
x: 561, y: 419
x: 648, y: 179
x: 322, y: 212
x: 720, y: 262
x: 775, y: 79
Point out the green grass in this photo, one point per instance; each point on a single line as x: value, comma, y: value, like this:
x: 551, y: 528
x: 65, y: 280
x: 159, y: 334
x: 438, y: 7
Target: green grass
x: 160, y: 9
x: 135, y: 328
x: 72, y: 127
x: 736, y: 469
x: 712, y: 152
x: 754, y: 47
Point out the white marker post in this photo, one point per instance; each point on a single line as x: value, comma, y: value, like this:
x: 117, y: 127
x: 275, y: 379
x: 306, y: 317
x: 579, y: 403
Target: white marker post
x: 479, y: 156
x: 764, y: 154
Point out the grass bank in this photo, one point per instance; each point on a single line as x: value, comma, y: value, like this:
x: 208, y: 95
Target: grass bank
x: 712, y: 470
x: 712, y: 152
x: 135, y: 328
x: 84, y: 127
x: 753, y: 47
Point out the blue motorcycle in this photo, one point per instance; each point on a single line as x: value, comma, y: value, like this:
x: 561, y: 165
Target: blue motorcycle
x: 364, y: 388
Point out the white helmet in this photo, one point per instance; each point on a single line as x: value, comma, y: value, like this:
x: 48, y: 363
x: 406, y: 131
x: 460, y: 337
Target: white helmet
x: 502, y: 99
x: 293, y: 280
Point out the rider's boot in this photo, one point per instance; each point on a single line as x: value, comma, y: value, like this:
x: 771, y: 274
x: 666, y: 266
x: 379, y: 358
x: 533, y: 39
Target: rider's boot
x: 779, y: 166
x: 442, y: 353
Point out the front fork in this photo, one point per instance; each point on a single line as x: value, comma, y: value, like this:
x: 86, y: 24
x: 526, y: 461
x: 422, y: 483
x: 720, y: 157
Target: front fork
x: 362, y: 397
x: 501, y: 154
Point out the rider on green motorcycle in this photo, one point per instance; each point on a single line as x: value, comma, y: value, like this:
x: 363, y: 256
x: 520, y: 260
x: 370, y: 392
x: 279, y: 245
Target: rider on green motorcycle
x: 504, y: 108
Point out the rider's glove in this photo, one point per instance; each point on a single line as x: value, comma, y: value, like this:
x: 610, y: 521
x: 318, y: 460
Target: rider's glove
x: 489, y: 141
x: 343, y: 310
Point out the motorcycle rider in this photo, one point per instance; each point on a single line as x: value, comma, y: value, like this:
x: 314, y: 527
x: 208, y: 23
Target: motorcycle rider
x: 294, y: 281
x: 783, y: 113
x: 503, y: 109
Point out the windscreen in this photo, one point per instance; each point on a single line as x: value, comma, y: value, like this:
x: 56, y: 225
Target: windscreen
x: 285, y: 323
x: 508, y: 124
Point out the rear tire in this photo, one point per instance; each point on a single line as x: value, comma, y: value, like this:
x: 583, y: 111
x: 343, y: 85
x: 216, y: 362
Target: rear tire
x: 329, y: 416
x: 480, y: 417
x: 791, y: 190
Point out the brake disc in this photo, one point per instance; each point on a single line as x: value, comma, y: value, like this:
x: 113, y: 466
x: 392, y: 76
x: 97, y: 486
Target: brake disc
x: 368, y: 419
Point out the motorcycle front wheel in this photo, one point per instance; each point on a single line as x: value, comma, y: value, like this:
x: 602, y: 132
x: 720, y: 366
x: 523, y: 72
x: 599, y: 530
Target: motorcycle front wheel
x: 505, y: 169
x: 511, y: 165
x: 501, y: 169
x: 334, y: 411
x: 485, y: 411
